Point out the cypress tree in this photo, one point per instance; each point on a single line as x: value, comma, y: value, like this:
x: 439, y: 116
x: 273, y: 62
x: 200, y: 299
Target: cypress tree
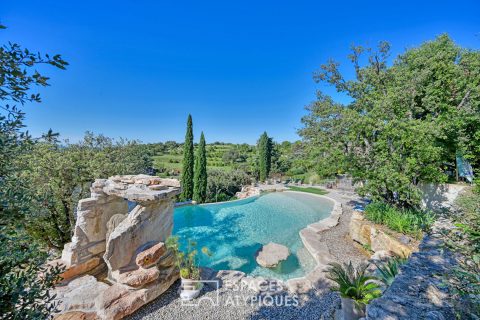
x: 264, y: 147
x: 200, y: 181
x: 188, y: 162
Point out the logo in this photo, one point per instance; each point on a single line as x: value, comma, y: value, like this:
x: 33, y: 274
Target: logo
x: 237, y: 294
x: 194, y: 297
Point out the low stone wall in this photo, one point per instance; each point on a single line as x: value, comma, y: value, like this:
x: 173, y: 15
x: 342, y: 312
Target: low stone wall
x: 418, y: 292
x: 368, y: 234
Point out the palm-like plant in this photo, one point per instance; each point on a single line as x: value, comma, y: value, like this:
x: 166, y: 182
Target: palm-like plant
x: 354, y: 283
x: 389, y: 270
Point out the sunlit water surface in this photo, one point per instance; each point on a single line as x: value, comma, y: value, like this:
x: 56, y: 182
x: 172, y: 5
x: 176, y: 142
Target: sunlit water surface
x: 235, y: 231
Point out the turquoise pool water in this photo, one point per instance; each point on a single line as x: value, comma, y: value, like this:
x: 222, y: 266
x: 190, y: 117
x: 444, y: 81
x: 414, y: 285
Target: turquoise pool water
x: 235, y: 231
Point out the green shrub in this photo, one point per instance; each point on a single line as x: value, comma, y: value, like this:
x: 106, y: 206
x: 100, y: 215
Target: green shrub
x: 464, y: 280
x: 26, y: 284
x: 313, y: 178
x: 406, y: 221
x: 222, y: 185
x: 389, y: 270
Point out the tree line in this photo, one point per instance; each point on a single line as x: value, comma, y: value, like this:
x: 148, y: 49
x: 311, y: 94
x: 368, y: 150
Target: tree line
x: 406, y: 122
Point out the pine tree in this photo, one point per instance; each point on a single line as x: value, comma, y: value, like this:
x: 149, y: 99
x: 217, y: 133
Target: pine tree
x: 264, y: 147
x: 188, y: 162
x: 200, y: 181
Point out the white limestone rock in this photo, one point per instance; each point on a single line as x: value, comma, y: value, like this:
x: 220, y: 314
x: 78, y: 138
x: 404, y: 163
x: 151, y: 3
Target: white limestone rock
x: 272, y: 254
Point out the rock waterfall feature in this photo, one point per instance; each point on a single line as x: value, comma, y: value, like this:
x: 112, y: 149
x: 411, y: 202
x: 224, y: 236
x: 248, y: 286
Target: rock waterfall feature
x: 117, y: 260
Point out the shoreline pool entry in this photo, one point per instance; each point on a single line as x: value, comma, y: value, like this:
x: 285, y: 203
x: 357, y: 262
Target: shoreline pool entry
x: 234, y: 231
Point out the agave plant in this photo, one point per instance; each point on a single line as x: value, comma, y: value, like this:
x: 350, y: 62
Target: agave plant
x: 354, y: 283
x: 389, y: 270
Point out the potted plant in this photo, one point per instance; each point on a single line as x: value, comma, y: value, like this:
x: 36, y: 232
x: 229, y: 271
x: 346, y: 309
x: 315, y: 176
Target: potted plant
x: 186, y: 262
x: 356, y: 288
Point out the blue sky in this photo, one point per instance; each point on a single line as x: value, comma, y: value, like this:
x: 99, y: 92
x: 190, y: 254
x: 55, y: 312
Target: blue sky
x: 137, y: 68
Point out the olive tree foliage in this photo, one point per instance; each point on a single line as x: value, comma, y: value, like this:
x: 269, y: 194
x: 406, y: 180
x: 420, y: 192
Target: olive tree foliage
x: 223, y: 185
x: 405, y: 121
x: 60, y: 174
x: 24, y: 283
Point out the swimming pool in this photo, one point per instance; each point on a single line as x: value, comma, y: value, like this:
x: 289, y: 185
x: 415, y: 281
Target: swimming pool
x: 235, y: 231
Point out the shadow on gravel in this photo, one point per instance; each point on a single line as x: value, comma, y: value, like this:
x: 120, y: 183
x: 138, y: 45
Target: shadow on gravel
x: 311, y: 305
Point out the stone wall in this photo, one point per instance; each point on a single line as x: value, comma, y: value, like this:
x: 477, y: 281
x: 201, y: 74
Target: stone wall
x: 419, y: 291
x: 368, y: 234
x: 129, y: 246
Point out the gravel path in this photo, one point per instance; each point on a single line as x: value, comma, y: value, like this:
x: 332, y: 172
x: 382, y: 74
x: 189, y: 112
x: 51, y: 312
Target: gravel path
x: 246, y: 304
x: 341, y: 246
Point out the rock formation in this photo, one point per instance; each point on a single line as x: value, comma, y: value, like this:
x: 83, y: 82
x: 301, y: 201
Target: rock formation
x: 272, y: 254
x: 369, y: 234
x: 129, y: 246
x: 248, y: 191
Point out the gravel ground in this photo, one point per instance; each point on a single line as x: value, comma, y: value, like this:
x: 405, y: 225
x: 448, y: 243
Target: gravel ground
x: 245, y: 304
x: 341, y: 246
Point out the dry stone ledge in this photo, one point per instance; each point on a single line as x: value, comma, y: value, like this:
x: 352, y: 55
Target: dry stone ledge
x: 272, y: 254
x: 367, y: 233
x: 129, y: 245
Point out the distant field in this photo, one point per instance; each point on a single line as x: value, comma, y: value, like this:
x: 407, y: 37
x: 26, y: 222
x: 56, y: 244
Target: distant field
x: 171, y: 164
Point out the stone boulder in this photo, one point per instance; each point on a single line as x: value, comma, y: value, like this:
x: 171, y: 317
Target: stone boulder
x: 138, y: 278
x: 248, y: 191
x: 77, y: 315
x: 80, y: 294
x: 167, y: 260
x: 114, y: 221
x: 147, y: 224
x: 117, y: 302
x: 272, y: 254
x: 74, y: 270
x: 419, y: 291
x: 151, y: 256
x: 369, y: 234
